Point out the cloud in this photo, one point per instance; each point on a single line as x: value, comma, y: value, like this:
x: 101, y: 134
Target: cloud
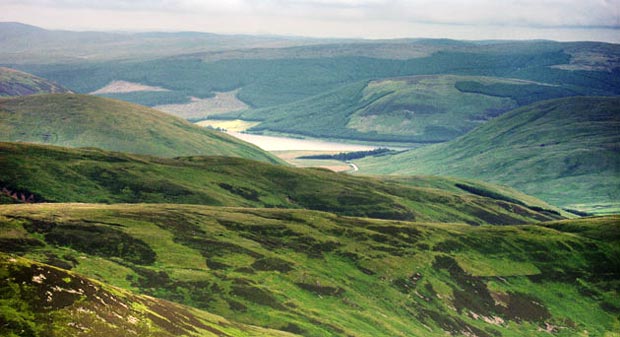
x: 540, y: 13
x: 543, y: 13
x: 471, y: 19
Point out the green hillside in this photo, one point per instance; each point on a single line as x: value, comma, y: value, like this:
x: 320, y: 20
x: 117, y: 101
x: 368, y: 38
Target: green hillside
x: 16, y: 83
x: 317, y: 274
x: 563, y: 151
x: 41, y: 300
x: 46, y: 173
x: 90, y: 121
x: 408, y: 109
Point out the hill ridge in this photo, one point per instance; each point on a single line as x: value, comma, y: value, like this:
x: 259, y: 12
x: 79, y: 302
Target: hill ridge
x: 81, y: 175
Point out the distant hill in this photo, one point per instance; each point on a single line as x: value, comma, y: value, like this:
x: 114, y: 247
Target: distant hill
x: 34, y: 292
x: 17, y: 83
x: 56, y: 174
x: 564, y: 151
x: 326, y: 95
x: 267, y: 76
x: 425, y: 108
x: 90, y: 121
x: 21, y: 43
x: 305, y: 272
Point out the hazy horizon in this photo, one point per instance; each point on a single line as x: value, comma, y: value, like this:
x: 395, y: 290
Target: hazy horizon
x: 560, y: 20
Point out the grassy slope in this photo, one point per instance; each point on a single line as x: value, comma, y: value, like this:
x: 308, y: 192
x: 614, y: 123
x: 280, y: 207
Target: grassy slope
x: 90, y: 175
x: 465, y: 186
x: 413, y: 109
x: 90, y: 121
x: 318, y: 274
x: 41, y: 300
x: 563, y: 151
x: 16, y: 83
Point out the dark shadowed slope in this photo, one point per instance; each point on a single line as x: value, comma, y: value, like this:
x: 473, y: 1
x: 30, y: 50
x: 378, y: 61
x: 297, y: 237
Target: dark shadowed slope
x: 17, y: 83
x: 564, y: 151
x: 90, y: 121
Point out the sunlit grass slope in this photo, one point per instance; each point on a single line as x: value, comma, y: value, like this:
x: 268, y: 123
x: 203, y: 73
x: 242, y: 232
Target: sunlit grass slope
x: 90, y: 121
x: 90, y: 175
x: 318, y: 274
x: 563, y: 151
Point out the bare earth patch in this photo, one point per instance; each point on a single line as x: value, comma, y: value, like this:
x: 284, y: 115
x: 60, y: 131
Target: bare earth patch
x: 591, y: 61
x: 116, y: 87
x: 204, y: 107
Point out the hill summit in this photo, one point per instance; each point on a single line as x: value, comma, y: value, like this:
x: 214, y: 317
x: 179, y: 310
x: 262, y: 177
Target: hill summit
x: 17, y: 83
x: 561, y: 151
x: 90, y: 121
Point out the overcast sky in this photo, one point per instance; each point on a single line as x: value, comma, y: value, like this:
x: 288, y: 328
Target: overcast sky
x: 472, y: 19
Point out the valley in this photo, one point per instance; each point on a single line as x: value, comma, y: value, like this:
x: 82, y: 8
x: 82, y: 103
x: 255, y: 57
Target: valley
x: 204, y: 184
x: 292, y: 149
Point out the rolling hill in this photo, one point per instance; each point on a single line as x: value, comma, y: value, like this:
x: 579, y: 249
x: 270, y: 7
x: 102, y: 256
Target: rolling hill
x: 563, y: 151
x: 54, y: 174
x: 41, y: 300
x: 16, y: 83
x: 318, y: 274
x: 420, y: 109
x: 90, y: 121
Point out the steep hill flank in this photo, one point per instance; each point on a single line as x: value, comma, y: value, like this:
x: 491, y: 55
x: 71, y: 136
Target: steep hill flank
x: 423, y: 109
x: 40, y: 300
x: 563, y: 151
x: 17, y: 83
x: 90, y: 121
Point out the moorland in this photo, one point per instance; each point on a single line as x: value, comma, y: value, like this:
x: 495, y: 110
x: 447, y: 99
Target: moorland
x: 490, y: 210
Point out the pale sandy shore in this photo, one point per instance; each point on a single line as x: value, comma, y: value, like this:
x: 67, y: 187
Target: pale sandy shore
x: 272, y: 143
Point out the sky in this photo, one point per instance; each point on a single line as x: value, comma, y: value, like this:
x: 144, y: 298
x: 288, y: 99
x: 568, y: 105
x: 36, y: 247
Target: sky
x: 563, y: 20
